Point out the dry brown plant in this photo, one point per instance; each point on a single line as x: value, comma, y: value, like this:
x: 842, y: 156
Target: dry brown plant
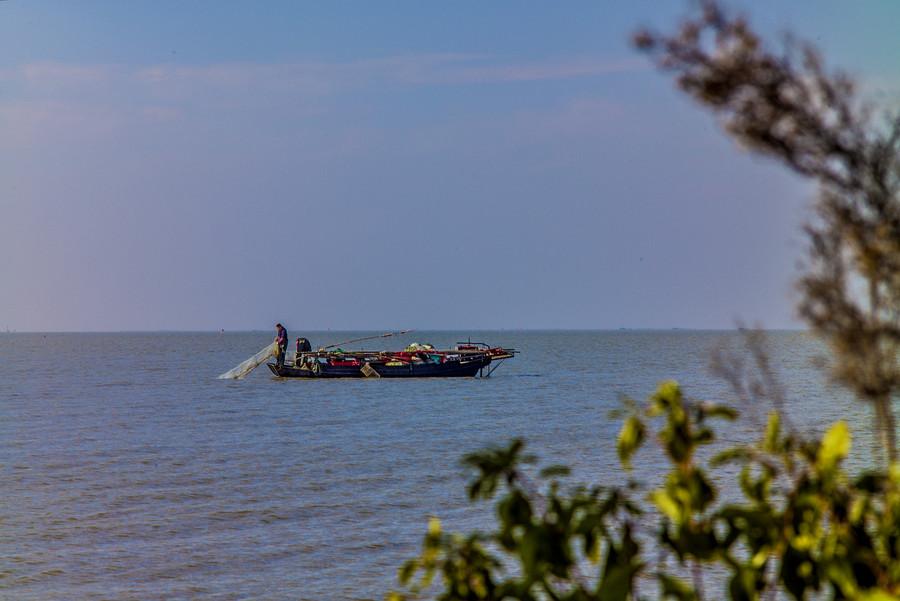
x: 786, y: 105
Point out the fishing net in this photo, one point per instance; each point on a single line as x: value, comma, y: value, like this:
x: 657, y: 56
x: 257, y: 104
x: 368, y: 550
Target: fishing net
x: 238, y: 372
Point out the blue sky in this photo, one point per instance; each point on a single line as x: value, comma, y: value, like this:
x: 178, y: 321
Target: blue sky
x: 205, y: 165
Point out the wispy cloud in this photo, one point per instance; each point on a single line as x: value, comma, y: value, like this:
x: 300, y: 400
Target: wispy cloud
x: 312, y: 77
x: 25, y: 123
x: 62, y: 74
x: 471, y: 72
x: 52, y: 100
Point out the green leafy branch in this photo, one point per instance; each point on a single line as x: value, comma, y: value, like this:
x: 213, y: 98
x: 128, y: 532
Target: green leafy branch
x: 819, y: 531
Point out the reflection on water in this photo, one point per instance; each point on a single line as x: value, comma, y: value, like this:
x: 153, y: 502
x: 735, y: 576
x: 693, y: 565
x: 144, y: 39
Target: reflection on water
x: 130, y: 472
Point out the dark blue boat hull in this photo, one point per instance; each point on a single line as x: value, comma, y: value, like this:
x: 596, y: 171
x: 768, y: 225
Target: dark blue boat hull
x: 452, y: 369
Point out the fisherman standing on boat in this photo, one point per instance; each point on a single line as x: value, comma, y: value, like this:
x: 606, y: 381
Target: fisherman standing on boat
x: 281, y: 339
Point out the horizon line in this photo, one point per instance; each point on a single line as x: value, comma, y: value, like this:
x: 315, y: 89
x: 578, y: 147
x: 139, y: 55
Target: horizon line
x: 441, y: 330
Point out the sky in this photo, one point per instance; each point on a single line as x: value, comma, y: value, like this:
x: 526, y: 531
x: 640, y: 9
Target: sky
x: 371, y: 165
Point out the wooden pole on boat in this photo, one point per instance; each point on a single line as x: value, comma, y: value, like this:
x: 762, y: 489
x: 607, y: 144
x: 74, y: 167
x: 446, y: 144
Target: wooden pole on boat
x: 387, y: 335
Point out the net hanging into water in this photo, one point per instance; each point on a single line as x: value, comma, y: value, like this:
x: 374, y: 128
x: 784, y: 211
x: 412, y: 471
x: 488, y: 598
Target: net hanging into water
x: 238, y: 372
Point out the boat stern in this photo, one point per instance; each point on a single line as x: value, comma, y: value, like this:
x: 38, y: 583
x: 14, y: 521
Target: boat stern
x: 275, y: 369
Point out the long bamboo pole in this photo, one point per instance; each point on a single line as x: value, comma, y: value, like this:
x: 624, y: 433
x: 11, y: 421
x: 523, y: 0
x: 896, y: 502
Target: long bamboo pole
x: 386, y: 335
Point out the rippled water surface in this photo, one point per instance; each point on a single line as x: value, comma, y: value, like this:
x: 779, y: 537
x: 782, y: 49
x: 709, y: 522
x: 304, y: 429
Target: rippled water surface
x: 130, y: 472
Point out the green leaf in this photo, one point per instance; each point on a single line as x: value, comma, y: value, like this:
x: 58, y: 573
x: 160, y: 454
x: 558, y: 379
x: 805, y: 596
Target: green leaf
x: 514, y: 510
x: 742, y: 586
x: 710, y: 410
x: 434, y: 526
x: 667, y: 505
x: 631, y: 436
x: 871, y: 482
x: 667, y: 395
x: 701, y: 492
x: 494, y: 465
x: 555, y: 471
x: 798, y: 573
x: 877, y: 595
x: 733, y: 455
x: 773, y: 430
x: 835, y: 445
x: 622, y: 566
x: 407, y: 571
x: 675, y: 588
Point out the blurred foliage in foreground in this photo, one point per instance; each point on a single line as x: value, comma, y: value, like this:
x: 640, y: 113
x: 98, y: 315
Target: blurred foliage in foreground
x: 802, y: 526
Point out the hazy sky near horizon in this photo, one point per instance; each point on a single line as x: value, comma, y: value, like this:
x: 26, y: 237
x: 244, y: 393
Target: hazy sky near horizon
x: 368, y: 165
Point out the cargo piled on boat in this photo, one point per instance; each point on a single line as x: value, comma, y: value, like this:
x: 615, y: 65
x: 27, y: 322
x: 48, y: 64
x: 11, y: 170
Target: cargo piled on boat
x: 467, y: 359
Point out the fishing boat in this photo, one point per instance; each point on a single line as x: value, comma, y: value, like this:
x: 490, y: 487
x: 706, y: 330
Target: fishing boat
x: 468, y: 359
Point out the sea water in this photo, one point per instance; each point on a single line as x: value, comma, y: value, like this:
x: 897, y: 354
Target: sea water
x: 130, y: 472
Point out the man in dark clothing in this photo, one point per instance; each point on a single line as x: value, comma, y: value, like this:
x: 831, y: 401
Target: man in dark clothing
x: 281, y: 339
